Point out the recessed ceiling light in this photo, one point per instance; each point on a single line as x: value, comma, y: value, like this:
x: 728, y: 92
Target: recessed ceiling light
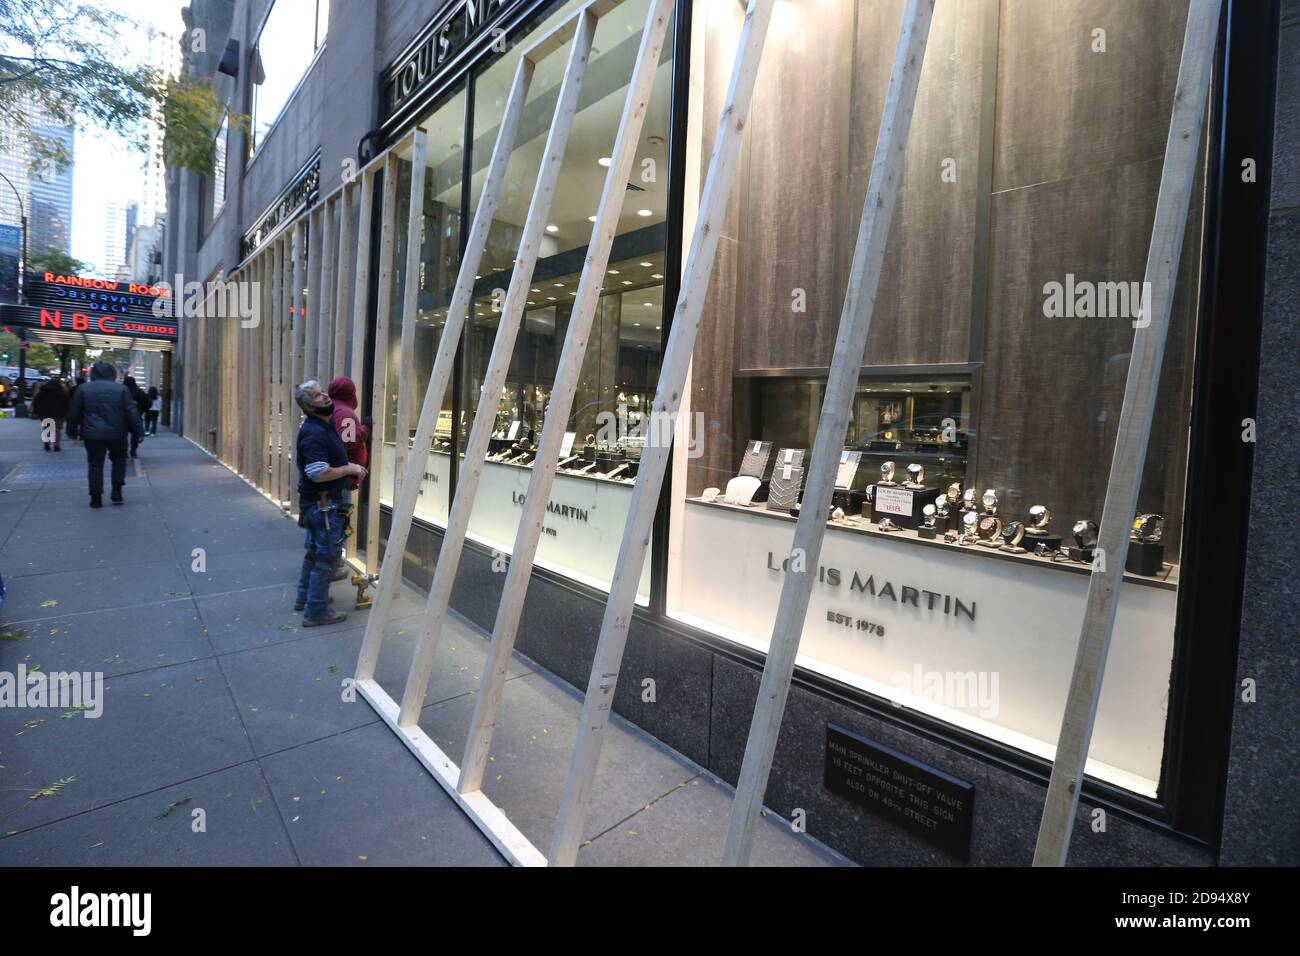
x: 656, y: 276
x: 646, y: 265
x: 656, y: 328
x: 552, y: 228
x: 534, y: 290
x: 559, y: 285
x: 531, y: 302
x: 613, y: 272
x: 550, y: 298
x: 591, y: 219
x: 626, y: 282
x: 604, y: 161
x: 648, y: 305
x: 644, y: 212
x: 637, y: 324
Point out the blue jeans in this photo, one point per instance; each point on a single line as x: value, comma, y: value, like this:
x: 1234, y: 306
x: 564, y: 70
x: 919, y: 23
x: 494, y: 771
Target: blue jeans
x: 322, y: 545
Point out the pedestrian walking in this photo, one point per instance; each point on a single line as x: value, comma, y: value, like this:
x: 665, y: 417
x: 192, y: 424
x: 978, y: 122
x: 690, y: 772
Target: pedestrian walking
x: 50, y: 405
x: 102, y: 413
x: 141, y: 406
x: 323, y: 468
x: 354, y: 432
x: 155, y: 409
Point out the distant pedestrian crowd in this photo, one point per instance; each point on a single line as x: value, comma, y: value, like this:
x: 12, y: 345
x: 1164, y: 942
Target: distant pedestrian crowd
x: 110, y: 418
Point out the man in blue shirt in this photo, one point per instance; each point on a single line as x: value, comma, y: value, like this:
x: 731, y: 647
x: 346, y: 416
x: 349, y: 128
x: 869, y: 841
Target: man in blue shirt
x: 323, y: 469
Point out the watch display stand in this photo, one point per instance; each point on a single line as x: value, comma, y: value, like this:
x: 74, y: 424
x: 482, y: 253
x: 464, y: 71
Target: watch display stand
x: 929, y: 534
x: 1145, y: 557
x: 913, y: 499
x: 1082, y: 555
x: 1032, y: 541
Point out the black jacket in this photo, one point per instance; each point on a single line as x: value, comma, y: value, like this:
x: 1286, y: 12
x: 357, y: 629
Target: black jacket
x: 50, y: 401
x: 104, y: 411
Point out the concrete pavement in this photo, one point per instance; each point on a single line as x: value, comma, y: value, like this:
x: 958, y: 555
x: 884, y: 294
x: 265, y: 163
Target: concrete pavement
x: 224, y: 738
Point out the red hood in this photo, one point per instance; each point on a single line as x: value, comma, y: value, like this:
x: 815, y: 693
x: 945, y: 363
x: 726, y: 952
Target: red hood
x: 343, y: 390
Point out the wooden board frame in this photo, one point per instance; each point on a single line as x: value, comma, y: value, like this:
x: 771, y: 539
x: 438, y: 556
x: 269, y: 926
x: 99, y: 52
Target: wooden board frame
x: 581, y: 27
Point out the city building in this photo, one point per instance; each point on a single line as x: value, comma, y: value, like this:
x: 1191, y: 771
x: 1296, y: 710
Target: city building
x: 1033, y: 165
x: 44, y: 184
x: 164, y: 56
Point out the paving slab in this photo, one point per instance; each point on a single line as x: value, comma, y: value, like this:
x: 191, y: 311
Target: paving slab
x: 153, y: 635
x: 241, y: 826
x: 657, y: 835
x: 536, y: 727
x: 361, y: 799
x: 157, y: 728
x: 98, y: 589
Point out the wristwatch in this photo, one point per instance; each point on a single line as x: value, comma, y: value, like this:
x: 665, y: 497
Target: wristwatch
x: 1085, y: 534
x: 1148, y: 527
x: 915, y: 475
x: 990, y: 501
x: 887, y: 473
x: 1012, y: 534
x: 1039, y: 517
x: 988, y: 529
x: 941, y: 506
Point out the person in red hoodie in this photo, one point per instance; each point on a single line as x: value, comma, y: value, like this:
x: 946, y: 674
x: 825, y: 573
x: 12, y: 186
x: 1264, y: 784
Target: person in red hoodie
x: 355, y: 433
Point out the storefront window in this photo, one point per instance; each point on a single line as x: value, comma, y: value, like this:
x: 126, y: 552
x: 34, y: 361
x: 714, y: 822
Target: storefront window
x: 1030, y: 181
x: 593, y: 489
x: 439, y: 263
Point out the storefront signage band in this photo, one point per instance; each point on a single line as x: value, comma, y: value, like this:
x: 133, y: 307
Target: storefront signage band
x: 297, y: 196
x: 453, y: 30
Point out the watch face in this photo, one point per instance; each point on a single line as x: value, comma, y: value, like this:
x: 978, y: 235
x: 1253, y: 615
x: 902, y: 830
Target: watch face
x: 1039, y: 516
x: 1148, y: 527
x: 954, y: 492
x: 968, y: 498
x: 990, y: 526
x: 887, y: 471
x: 929, y: 512
x: 941, y: 505
x: 990, y: 500
x: 1012, y: 533
x: 969, y: 520
x: 915, y: 473
x: 1085, y: 534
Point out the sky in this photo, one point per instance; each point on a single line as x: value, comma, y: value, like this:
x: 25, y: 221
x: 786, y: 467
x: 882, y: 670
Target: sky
x: 107, y: 168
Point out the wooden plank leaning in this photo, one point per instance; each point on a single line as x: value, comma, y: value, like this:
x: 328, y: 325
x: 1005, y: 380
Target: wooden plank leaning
x: 832, y: 427
x: 1133, y: 432
x: 379, y: 370
x: 406, y: 384
x: 654, y: 460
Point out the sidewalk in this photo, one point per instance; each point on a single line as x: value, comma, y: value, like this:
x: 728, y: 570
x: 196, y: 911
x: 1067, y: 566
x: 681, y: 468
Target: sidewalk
x: 216, y: 700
